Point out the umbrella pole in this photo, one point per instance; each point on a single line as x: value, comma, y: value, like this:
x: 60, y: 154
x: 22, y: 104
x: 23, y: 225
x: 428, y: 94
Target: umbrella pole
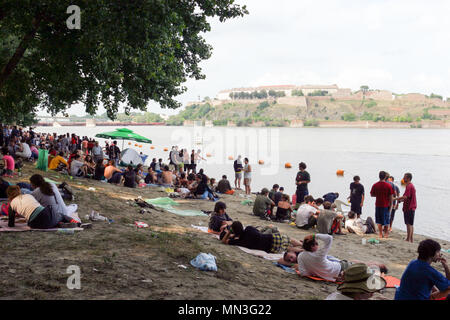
x: 122, y: 144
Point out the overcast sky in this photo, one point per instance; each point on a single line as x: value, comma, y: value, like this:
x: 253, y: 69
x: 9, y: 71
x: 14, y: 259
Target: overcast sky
x: 398, y: 45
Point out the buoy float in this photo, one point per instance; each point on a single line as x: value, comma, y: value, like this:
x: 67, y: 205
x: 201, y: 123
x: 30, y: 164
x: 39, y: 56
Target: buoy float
x: 140, y: 146
x: 165, y: 149
x: 135, y: 144
x: 230, y: 158
x: 340, y: 172
x: 403, y: 182
x: 152, y: 147
x: 261, y: 161
x: 288, y: 165
x: 129, y: 143
x: 209, y: 155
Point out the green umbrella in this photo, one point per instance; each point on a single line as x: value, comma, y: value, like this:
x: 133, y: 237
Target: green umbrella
x: 123, y: 134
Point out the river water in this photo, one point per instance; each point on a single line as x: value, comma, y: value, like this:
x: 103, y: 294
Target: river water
x: 363, y: 152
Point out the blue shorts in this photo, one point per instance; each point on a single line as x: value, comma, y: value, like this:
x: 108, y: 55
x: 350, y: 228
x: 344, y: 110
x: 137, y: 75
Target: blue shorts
x: 382, y: 216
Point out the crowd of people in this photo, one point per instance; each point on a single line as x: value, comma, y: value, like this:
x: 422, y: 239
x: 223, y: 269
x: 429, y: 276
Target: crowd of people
x: 41, y: 204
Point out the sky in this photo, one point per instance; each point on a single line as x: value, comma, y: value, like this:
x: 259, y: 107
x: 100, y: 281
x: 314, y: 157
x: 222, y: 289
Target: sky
x: 397, y: 45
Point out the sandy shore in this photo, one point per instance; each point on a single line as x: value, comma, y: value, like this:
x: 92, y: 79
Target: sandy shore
x: 118, y: 261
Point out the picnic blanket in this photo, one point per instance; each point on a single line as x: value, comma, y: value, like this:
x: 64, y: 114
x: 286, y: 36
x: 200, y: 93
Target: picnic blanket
x: 285, y: 268
x: 262, y: 254
x: 20, y: 227
x: 317, y: 278
x: 168, y: 204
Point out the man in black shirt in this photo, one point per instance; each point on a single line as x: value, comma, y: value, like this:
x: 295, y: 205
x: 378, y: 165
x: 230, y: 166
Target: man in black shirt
x: 114, y: 153
x: 302, y: 180
x: 224, y: 185
x: 253, y: 239
x: 356, y: 196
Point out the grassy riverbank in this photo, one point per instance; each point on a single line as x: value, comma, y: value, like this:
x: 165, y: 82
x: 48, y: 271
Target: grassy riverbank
x: 118, y: 261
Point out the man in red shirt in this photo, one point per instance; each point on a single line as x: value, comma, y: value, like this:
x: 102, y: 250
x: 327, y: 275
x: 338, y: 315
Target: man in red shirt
x: 409, y: 206
x: 384, y: 198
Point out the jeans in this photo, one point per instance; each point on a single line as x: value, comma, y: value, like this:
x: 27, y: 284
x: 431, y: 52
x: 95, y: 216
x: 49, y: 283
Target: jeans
x: 207, y: 194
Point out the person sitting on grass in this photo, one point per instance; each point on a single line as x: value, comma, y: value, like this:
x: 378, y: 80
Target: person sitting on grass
x: 89, y: 165
x: 224, y: 186
x: 36, y: 216
x: 262, y: 205
x: 284, y: 209
x: 129, y: 177
x: 99, y: 170
x: 219, y: 219
x: 167, y: 177
x: 356, y: 225
x: 112, y: 174
x: 251, y: 238
x: 359, y: 284
x: 48, y: 195
x: 9, y: 163
x: 150, y: 178
x: 307, y: 214
x: 77, y: 167
x: 329, y: 221
x: 315, y: 261
x: 421, y: 281
x: 203, y: 191
x: 58, y: 163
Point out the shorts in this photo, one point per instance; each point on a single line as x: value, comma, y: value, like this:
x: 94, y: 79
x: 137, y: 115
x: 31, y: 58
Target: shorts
x: 280, y: 243
x: 382, y: 216
x: 409, y: 217
x: 301, y: 195
x: 238, y: 175
x: 356, y: 208
x: 247, y: 181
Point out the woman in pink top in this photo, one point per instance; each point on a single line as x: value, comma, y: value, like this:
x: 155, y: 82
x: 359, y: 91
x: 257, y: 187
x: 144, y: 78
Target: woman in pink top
x: 9, y: 162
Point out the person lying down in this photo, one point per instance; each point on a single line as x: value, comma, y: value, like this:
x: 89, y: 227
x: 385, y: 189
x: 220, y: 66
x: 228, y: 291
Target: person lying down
x: 252, y: 238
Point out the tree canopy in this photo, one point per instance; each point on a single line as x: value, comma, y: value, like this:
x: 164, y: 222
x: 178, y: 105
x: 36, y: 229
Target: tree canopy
x: 125, y: 52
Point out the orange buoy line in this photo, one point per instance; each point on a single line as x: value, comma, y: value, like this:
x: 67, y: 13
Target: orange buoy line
x: 288, y: 165
x: 340, y: 172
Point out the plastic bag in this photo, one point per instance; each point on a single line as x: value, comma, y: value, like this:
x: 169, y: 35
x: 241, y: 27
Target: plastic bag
x: 205, y: 262
x: 42, y: 163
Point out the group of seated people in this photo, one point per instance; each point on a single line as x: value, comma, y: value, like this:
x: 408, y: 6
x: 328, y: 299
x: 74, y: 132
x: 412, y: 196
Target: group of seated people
x: 40, y: 204
x: 310, y: 257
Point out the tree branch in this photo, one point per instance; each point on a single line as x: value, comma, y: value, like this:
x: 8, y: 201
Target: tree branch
x: 14, y: 61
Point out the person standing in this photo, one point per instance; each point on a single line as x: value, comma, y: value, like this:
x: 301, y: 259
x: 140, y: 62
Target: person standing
x: 356, y: 196
x: 383, y: 193
x: 247, y: 176
x: 114, y: 153
x: 390, y: 180
x: 409, y: 206
x: 238, y: 172
x: 302, y: 180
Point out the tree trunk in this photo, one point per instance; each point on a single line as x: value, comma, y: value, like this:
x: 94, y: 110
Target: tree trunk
x: 14, y: 61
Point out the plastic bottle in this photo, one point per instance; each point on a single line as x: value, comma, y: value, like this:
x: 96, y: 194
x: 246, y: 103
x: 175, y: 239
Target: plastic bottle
x: 19, y: 171
x: 363, y: 241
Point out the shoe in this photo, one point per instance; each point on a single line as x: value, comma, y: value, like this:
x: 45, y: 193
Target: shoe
x: 67, y: 225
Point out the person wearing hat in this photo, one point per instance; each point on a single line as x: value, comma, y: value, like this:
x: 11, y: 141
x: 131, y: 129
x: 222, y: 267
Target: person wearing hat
x: 359, y: 284
x: 262, y: 204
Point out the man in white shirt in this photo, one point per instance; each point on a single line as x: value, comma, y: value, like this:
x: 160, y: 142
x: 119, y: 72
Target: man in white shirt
x: 307, y: 214
x: 356, y: 225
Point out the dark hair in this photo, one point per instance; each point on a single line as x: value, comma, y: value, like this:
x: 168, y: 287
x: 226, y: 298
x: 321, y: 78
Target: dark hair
x: 351, y: 215
x: 237, y: 227
x: 309, y: 242
x: 43, y: 185
x: 356, y: 178
x: 427, y: 249
x: 130, y: 168
x: 224, y: 177
x: 302, y: 165
x: 327, y: 205
x: 319, y: 201
x: 61, y: 154
x: 281, y: 189
x: 392, y: 178
x: 409, y: 176
x: 382, y: 175
x: 100, y: 162
x: 5, y: 151
x: 246, y: 159
x: 275, y: 186
x: 219, y: 206
x: 309, y: 199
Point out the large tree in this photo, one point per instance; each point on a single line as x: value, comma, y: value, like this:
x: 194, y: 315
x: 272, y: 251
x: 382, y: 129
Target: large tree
x: 126, y: 52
